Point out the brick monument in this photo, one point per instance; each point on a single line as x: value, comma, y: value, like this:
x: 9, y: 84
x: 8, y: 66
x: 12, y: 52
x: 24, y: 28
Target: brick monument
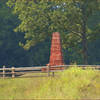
x: 56, y: 56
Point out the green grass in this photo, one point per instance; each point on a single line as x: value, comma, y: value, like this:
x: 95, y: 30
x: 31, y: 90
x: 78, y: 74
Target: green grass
x: 73, y: 83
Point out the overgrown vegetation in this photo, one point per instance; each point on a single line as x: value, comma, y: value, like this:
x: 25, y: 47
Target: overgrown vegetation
x: 73, y: 83
x: 11, y: 54
x: 69, y: 17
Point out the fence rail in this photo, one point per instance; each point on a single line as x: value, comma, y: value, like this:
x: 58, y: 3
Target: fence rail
x: 19, y: 71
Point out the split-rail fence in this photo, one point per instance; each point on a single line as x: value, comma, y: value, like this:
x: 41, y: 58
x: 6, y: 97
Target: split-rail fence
x: 21, y: 71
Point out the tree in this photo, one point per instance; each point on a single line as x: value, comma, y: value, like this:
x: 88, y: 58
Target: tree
x: 78, y: 13
x: 11, y: 54
x: 70, y: 17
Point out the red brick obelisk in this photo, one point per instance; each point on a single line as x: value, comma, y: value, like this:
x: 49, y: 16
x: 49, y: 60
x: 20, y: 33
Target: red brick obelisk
x: 56, y: 56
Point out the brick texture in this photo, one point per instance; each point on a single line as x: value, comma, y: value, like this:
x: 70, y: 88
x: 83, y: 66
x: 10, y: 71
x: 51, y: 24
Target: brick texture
x: 56, y: 56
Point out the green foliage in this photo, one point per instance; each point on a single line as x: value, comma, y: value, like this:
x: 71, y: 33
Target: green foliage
x: 33, y: 22
x: 40, y: 18
x: 43, y: 18
x: 73, y: 83
x: 94, y: 55
x: 11, y: 54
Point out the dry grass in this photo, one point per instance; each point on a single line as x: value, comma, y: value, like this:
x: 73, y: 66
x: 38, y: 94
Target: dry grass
x: 74, y: 83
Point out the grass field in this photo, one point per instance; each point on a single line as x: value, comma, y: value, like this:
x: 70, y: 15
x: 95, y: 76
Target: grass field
x: 73, y: 83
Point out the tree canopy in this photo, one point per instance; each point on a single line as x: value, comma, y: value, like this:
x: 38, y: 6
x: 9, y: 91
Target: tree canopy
x: 69, y: 17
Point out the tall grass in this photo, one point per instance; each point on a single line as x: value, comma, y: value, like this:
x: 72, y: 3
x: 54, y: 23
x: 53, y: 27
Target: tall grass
x: 73, y: 83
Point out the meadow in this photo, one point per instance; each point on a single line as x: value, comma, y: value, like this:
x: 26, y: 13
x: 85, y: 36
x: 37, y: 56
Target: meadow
x: 73, y: 83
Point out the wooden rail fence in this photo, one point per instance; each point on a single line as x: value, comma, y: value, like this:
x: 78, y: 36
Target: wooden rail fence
x: 19, y: 71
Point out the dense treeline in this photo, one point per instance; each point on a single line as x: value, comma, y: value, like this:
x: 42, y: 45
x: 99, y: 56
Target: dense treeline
x: 30, y: 45
x: 11, y: 54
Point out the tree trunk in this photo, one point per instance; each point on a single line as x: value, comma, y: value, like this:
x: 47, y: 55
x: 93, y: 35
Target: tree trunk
x: 84, y: 43
x: 84, y: 37
x: 84, y: 47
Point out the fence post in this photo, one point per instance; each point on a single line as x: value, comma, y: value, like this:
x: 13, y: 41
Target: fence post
x: 48, y: 70
x: 53, y: 74
x: 13, y: 72
x: 4, y: 71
